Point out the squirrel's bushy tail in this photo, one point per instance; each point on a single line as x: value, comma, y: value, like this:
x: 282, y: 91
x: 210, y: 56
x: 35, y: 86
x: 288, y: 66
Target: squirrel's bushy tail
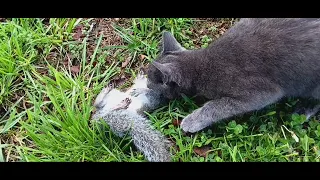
x: 151, y: 142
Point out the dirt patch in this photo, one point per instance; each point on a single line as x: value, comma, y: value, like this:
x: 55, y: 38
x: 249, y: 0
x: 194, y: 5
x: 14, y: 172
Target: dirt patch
x: 211, y: 27
x: 92, y: 30
x: 16, y: 138
x: 104, y: 26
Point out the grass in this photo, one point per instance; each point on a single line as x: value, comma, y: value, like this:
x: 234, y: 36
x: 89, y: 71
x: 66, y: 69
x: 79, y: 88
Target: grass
x: 45, y: 106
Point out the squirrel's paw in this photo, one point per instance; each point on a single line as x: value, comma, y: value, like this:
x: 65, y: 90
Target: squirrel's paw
x: 141, y: 74
x: 99, y: 102
x: 123, y: 104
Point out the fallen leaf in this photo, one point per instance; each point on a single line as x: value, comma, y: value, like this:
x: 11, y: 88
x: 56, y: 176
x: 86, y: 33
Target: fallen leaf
x: 78, y: 34
x: 75, y: 69
x: 126, y: 62
x: 52, y: 55
x: 43, y: 71
x: 65, y: 62
x: 142, y: 57
x: 67, y: 59
x: 79, y: 27
x: 202, y: 151
x: 176, y: 122
x: 26, y: 104
x: 46, y: 98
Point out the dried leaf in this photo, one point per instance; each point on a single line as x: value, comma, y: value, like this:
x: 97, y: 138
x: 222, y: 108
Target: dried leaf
x: 75, y: 69
x: 78, y: 34
x: 176, y: 122
x: 52, y: 55
x: 67, y: 59
x: 26, y: 104
x: 202, y: 151
x: 46, y: 98
x: 142, y: 57
x: 126, y: 62
x: 65, y: 62
x: 43, y: 71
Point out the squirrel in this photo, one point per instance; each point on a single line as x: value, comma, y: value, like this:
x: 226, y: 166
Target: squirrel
x: 124, y: 113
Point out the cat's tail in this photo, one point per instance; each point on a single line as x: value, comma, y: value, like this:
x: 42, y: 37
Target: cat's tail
x: 151, y: 142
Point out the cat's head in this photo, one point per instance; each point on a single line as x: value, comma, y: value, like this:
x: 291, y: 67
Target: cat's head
x: 165, y: 74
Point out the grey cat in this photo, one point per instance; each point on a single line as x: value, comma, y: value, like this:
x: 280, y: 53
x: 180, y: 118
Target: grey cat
x: 124, y: 113
x: 255, y: 63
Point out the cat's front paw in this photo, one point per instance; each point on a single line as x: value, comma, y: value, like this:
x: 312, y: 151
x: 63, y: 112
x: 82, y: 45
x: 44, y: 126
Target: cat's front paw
x: 194, y: 122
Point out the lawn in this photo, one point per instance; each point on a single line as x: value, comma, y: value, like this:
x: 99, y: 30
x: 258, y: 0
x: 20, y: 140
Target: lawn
x: 51, y: 70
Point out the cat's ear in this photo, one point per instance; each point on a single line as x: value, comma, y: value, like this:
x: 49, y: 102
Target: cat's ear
x: 168, y: 71
x: 169, y: 43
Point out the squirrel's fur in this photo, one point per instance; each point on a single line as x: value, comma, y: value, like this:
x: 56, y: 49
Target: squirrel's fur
x: 129, y: 117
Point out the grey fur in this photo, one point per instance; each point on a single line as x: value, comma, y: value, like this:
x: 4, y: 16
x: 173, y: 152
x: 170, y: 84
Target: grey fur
x: 255, y: 63
x: 132, y: 120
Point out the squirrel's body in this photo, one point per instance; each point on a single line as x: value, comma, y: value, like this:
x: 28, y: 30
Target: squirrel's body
x: 123, y: 112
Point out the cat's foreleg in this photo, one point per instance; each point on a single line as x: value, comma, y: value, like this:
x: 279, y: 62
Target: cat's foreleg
x: 226, y: 107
